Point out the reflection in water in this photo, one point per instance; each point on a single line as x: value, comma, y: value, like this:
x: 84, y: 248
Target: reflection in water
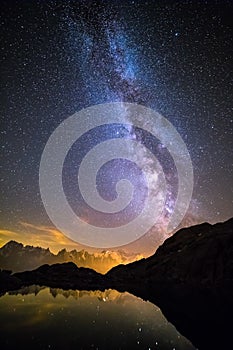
x: 49, y: 318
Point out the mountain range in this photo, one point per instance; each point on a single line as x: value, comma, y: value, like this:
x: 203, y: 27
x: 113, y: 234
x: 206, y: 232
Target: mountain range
x: 190, y: 277
x: 16, y: 257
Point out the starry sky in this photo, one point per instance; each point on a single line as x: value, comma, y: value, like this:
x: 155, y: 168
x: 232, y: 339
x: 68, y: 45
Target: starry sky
x: 58, y: 57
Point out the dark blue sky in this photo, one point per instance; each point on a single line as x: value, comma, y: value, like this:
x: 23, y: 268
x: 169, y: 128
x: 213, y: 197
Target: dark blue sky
x: 58, y: 57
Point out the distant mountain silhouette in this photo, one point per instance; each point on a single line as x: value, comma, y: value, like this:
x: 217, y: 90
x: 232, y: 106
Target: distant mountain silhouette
x: 190, y: 277
x: 17, y: 257
x: 200, y: 255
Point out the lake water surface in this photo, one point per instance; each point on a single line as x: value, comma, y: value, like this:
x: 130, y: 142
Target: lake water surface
x: 47, y: 318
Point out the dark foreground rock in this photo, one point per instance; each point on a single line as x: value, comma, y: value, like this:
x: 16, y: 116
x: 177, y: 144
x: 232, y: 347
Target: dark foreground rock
x: 8, y: 282
x: 190, y: 278
x: 65, y: 276
x: 201, y: 255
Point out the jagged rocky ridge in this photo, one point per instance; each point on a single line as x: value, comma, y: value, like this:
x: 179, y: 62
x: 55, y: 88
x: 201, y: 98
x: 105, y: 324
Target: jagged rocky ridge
x: 200, y: 255
x: 16, y: 257
x: 190, y: 278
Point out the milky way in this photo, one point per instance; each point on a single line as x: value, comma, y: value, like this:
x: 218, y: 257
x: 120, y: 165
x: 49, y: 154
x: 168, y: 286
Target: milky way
x: 110, y: 58
x: 59, y: 57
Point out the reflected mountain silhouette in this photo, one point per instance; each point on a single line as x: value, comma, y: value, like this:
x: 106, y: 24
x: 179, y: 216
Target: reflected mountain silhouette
x: 72, y: 319
x: 199, y: 315
x: 190, y: 278
x: 106, y: 295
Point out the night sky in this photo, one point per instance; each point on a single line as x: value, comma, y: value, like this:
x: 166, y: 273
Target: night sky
x: 58, y: 57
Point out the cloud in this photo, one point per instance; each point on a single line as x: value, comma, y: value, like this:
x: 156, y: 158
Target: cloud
x: 39, y: 235
x: 50, y: 237
x: 6, y: 235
